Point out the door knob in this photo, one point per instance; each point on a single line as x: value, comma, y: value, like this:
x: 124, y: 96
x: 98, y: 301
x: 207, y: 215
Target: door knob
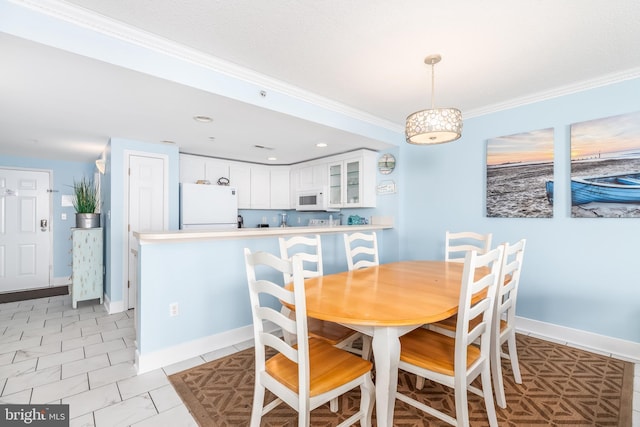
x: 43, y: 224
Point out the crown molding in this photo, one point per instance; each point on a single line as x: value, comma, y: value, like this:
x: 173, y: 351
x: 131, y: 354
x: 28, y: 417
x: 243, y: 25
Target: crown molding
x: 85, y: 18
x: 82, y: 17
x: 555, y: 93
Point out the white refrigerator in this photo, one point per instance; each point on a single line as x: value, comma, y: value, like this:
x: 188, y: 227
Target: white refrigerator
x: 205, y: 206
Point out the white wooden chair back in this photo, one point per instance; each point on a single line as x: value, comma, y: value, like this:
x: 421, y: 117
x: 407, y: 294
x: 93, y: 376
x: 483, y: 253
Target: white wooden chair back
x: 289, y: 374
x: 503, y: 328
x: 364, y: 253
x: 308, y: 248
x: 453, y: 361
x: 458, y: 244
x: 505, y: 306
x: 263, y: 310
x: 483, y: 309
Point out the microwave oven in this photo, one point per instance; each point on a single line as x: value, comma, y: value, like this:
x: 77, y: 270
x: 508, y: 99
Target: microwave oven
x: 316, y: 199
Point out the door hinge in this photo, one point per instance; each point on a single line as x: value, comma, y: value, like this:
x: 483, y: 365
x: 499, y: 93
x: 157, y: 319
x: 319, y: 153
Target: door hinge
x: 129, y: 228
x: 128, y: 284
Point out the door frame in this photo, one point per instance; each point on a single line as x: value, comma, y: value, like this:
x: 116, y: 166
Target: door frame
x: 50, y: 191
x: 125, y: 254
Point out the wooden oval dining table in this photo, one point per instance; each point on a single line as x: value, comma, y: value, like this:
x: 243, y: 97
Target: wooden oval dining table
x: 385, y: 302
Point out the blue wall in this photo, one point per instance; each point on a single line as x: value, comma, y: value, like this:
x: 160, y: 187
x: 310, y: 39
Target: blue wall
x: 578, y: 272
x: 62, y: 176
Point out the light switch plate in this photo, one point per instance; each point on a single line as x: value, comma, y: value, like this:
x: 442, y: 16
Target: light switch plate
x: 66, y: 200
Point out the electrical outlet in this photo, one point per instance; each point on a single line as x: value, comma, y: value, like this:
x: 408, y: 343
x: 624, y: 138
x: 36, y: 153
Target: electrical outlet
x: 63, y: 216
x: 173, y: 309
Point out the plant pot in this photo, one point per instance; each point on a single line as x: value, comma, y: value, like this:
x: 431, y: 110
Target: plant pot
x: 87, y: 220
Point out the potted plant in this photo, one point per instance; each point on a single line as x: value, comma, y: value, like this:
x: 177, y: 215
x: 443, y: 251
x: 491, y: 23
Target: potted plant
x: 85, y: 202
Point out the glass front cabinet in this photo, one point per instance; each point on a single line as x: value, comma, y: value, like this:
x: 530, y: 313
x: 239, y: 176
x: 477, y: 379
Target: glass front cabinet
x: 352, y: 182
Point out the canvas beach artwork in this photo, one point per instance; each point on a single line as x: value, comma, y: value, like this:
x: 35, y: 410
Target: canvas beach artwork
x: 518, y: 166
x: 605, y: 167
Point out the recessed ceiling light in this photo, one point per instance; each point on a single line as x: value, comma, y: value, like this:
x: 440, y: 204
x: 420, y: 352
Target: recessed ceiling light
x: 272, y: 159
x: 212, y: 138
x: 321, y: 144
x: 167, y: 141
x: 203, y: 119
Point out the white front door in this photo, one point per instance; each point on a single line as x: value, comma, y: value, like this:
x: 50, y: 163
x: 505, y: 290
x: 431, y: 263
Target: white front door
x: 25, y: 232
x: 147, y: 208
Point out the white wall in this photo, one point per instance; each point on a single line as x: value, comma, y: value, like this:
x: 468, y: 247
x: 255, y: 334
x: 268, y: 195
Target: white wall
x: 580, y: 273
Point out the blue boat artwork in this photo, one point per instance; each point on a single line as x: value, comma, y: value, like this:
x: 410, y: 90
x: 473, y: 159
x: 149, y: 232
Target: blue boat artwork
x: 622, y: 188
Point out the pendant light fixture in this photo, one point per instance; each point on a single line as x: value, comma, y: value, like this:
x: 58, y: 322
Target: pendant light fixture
x: 436, y: 125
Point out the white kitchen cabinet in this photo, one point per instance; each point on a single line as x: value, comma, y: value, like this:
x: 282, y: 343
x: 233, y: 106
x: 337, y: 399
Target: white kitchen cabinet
x: 192, y: 168
x: 87, y: 270
x: 240, y: 178
x: 352, y: 181
x: 195, y: 168
x: 214, y: 169
x: 260, y: 187
x: 280, y: 187
x: 313, y: 176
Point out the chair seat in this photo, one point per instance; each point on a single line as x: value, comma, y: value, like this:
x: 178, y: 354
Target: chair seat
x: 433, y: 351
x: 331, y: 332
x: 329, y: 368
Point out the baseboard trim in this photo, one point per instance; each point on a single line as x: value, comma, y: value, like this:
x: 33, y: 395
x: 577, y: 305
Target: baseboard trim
x: 612, y: 347
x: 113, y: 307
x: 158, y: 359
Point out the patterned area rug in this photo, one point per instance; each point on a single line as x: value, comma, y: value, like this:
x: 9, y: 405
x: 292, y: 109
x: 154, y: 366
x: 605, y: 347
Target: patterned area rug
x: 561, y: 386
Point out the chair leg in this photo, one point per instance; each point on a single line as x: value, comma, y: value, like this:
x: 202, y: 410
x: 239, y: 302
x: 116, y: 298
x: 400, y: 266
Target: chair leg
x: 498, y: 385
x: 462, y: 407
x: 513, y: 356
x: 333, y: 405
x: 367, y: 398
x: 485, y: 376
x: 258, y: 402
x: 496, y: 372
x: 419, y: 382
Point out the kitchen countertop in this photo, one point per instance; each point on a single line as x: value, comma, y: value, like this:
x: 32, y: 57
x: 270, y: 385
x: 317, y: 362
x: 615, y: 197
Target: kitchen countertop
x: 156, y: 237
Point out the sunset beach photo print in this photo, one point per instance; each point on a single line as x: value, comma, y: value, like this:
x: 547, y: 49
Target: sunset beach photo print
x: 605, y: 167
x: 518, y: 167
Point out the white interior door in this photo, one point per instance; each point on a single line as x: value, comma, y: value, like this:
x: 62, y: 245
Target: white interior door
x: 147, y: 208
x: 25, y: 232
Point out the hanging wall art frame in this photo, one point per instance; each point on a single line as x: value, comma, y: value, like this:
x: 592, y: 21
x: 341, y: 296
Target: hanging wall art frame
x: 518, y: 167
x: 605, y: 167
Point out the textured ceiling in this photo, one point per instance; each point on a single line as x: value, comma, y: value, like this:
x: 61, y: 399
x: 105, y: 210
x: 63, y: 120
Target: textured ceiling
x: 365, y: 54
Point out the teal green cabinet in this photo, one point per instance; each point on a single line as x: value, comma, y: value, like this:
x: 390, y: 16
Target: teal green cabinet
x: 87, y: 268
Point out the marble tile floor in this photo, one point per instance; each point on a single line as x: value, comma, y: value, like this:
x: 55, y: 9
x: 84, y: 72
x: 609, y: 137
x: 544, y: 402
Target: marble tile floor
x: 52, y: 353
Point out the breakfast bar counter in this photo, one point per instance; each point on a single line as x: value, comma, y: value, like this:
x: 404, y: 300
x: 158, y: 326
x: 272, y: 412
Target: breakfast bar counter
x: 190, y: 286
x: 245, y: 233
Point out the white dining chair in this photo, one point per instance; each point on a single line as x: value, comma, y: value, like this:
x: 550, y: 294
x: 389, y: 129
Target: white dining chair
x: 504, y: 322
x: 458, y: 244
x: 452, y: 361
x: 310, y: 373
x: 503, y: 327
x: 361, y: 250
x: 309, y: 249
